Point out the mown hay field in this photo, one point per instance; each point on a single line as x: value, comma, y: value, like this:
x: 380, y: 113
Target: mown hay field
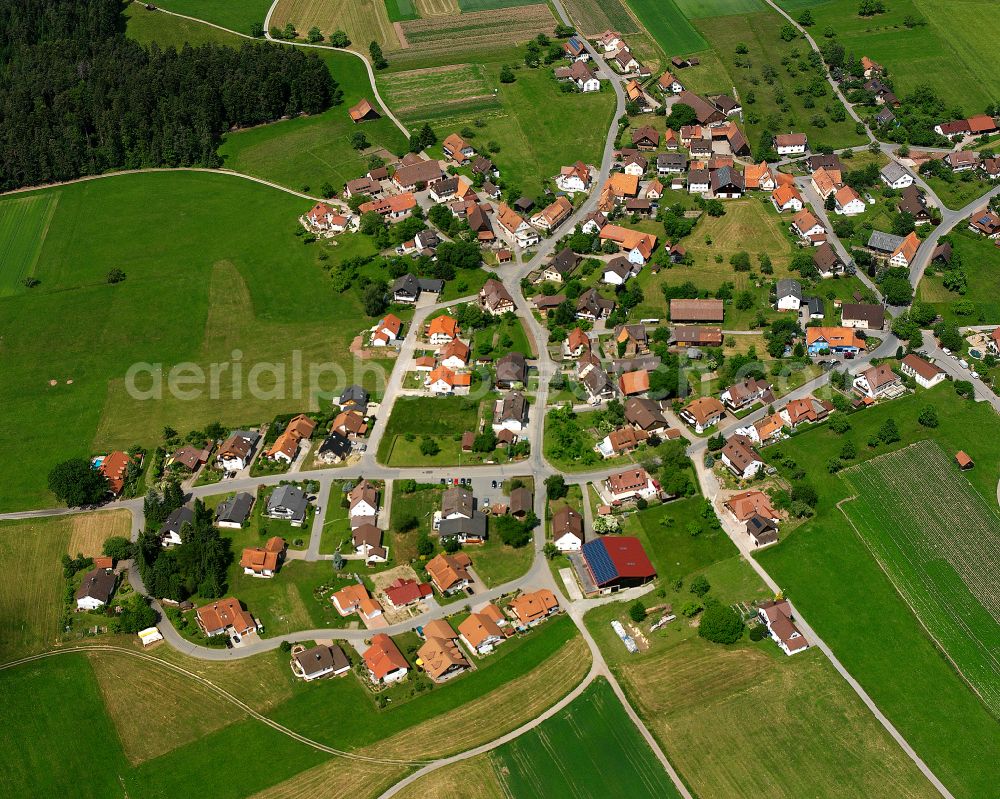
x: 668, y: 26
x: 436, y: 8
x: 478, y: 30
x: 710, y: 706
x: 23, y: 222
x: 363, y: 21
x: 939, y: 543
x: 437, y: 92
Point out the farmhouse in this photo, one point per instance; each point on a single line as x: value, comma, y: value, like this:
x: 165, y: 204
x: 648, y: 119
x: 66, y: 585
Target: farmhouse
x: 415, y: 176
x: 924, y: 372
x: 96, y: 589
x: 511, y: 371
x: 689, y: 337
x: 646, y: 138
x: 912, y: 201
x: 777, y: 616
x: 384, y: 661
x: 758, y: 176
x: 395, y: 207
x: 552, y: 215
x: 636, y: 245
x: 825, y: 181
x: 727, y: 183
x: 622, y: 185
x: 457, y: 149
x: 616, y: 562
x: 790, y: 143
x: 645, y: 414
x: 705, y: 111
x: 668, y: 83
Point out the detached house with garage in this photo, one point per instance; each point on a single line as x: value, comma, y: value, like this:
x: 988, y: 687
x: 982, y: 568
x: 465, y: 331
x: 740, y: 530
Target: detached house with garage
x: 878, y: 382
x: 703, y: 413
x: 786, y: 198
x: 484, y: 629
x: 836, y: 340
x: 895, y: 177
x: 924, y: 372
x: 789, y: 295
x: 847, y: 202
x: 630, y: 485
x: 746, y: 394
x: 777, y: 616
x: 287, y: 502
x: 567, y: 530
x: 263, y: 561
x: 575, y: 178
x: 384, y: 661
x: 740, y: 457
x: 495, y: 299
x: 807, y: 226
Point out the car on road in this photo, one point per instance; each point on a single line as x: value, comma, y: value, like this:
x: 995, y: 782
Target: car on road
x: 946, y: 351
x: 975, y: 374
x: 963, y: 363
x: 469, y: 591
x: 493, y: 483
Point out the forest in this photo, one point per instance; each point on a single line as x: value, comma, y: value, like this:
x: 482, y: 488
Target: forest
x: 78, y: 98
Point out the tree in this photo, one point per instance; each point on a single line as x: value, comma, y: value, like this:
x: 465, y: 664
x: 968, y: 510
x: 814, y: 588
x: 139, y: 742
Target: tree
x: 949, y: 335
x: 720, y: 624
x: 788, y: 33
x: 555, y: 486
x: 740, y: 261
x: 378, y: 60
x: 118, y: 547
x: 637, y: 611
x: 928, y: 416
x: 550, y: 550
x: 715, y: 208
x: 339, y: 39
x: 838, y: 422
x: 806, y: 19
x: 359, y: 141
x: 429, y: 447
x: 451, y: 544
x: 506, y: 74
x: 424, y: 545
x: 700, y: 585
x: 849, y: 451
x: 374, y: 299
x: 315, y: 35
x: 116, y: 275
x: 964, y: 388
x: 888, y: 432
x: 136, y: 615
x: 289, y: 32
x: 742, y: 49
x: 371, y: 223
x: 256, y: 30
x: 74, y: 482
x: 869, y: 8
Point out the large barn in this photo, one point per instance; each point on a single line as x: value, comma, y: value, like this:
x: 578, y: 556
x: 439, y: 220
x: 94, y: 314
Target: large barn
x: 617, y: 562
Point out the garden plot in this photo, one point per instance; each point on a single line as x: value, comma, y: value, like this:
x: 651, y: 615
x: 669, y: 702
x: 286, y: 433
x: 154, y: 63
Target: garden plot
x: 939, y: 543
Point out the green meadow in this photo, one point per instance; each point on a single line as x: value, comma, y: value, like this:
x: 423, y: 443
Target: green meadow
x: 870, y: 627
x: 237, y: 15
x: 212, y: 268
x: 669, y: 27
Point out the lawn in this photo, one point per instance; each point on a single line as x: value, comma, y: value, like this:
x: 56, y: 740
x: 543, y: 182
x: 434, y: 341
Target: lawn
x: 244, y: 295
x: 496, y: 563
x: 695, y: 9
x: 24, y: 222
x: 711, y: 705
x: 237, y: 15
x: 959, y: 192
x: 910, y: 680
x: 308, y: 151
x: 31, y: 607
x: 668, y: 26
x: 940, y: 553
x: 589, y: 750
x: 442, y: 419
x: 760, y: 33
x: 951, y: 59
x: 981, y: 264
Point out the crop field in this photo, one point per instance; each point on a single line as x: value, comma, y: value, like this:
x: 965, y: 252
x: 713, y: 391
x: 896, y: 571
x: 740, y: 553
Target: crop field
x: 480, y: 30
x: 23, y: 224
x: 940, y: 548
x: 237, y: 15
x: 363, y: 21
x: 399, y: 10
x: 593, y: 17
x: 90, y: 530
x: 469, y: 6
x: 436, y: 92
x: 474, y: 778
x: 707, y: 703
x: 436, y: 8
x: 589, y: 750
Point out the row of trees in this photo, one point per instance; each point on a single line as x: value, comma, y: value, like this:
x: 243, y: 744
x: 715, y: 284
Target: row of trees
x: 78, y: 98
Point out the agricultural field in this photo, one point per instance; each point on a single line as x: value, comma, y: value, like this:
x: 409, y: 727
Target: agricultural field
x: 696, y: 9
x: 399, y: 10
x: 953, y: 59
x: 593, y: 17
x: 910, y: 681
x: 981, y: 264
x: 476, y: 31
x: 589, y: 750
x: 940, y: 553
x: 31, y: 607
x: 24, y: 222
x: 705, y: 703
x: 436, y: 8
x: 668, y: 26
x: 427, y: 94
x: 363, y: 21
x: 768, y: 53
x: 236, y: 15
x: 469, y: 6
x: 252, y: 288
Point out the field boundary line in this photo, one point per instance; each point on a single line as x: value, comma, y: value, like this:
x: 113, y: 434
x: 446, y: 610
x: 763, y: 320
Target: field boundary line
x: 895, y: 586
x: 217, y: 689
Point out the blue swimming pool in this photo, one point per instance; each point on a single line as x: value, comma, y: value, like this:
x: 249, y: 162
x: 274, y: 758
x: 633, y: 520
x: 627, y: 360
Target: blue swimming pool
x: 96, y: 462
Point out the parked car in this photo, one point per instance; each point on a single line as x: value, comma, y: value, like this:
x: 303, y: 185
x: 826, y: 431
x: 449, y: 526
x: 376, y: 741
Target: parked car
x: 493, y: 483
x: 963, y: 363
